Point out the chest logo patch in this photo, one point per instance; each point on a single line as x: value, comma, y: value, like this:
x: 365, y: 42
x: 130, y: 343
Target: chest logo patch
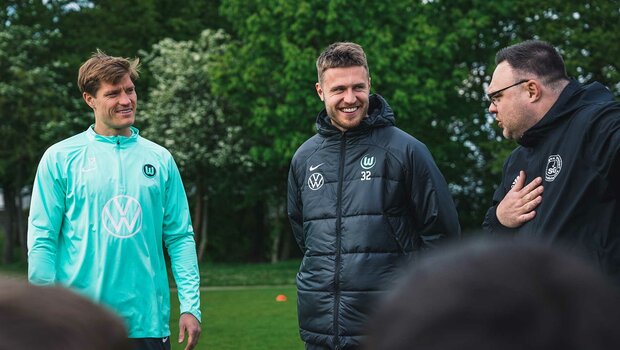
x: 367, y: 162
x: 148, y: 170
x: 91, y: 166
x: 122, y: 216
x: 316, y: 181
x: 554, y: 166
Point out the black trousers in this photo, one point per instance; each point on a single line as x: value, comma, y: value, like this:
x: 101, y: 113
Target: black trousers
x: 151, y: 343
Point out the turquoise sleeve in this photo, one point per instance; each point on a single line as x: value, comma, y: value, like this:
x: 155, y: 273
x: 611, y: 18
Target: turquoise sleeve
x: 44, y: 222
x: 179, y: 240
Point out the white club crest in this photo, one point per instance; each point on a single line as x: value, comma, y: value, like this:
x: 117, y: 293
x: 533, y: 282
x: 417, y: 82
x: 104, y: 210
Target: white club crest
x: 554, y: 166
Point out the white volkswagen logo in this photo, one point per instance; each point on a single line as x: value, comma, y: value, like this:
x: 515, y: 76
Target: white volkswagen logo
x: 122, y: 216
x: 554, y: 166
x: 367, y: 162
x: 315, y: 181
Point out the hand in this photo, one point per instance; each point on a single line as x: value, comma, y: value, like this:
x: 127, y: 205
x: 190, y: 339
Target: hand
x: 188, y: 323
x: 518, y: 205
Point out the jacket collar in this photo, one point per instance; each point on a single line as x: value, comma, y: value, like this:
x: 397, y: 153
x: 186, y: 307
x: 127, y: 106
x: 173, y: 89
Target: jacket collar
x: 121, y: 140
x: 573, y: 97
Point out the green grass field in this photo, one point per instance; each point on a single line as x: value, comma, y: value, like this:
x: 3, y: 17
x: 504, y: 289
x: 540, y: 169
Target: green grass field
x: 245, y: 318
x: 239, y: 307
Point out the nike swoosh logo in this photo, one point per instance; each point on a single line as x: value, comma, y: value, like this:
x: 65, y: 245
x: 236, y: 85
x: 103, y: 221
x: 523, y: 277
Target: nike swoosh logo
x: 313, y: 168
x: 163, y: 340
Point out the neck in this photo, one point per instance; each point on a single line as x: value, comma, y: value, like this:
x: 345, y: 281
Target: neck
x: 105, y: 131
x: 551, y: 96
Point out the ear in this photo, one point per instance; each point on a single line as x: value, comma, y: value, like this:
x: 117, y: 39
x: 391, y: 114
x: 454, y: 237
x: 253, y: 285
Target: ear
x: 534, y: 90
x: 319, y: 91
x: 89, y: 99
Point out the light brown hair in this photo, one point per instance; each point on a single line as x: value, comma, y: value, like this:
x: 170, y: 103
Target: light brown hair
x: 341, y: 55
x: 104, y: 68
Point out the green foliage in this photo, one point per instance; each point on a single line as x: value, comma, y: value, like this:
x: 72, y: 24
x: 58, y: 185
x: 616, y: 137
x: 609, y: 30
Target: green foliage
x: 582, y: 31
x: 416, y: 62
x: 125, y: 28
x: 430, y: 59
x: 29, y: 95
x: 183, y: 114
x: 250, y: 101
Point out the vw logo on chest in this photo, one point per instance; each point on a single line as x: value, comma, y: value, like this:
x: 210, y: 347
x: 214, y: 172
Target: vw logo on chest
x: 122, y: 216
x: 316, y: 181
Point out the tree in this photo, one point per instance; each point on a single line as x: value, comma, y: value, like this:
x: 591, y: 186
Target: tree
x: 43, y: 43
x: 185, y: 116
x: 419, y: 55
x: 30, y: 97
x: 431, y: 59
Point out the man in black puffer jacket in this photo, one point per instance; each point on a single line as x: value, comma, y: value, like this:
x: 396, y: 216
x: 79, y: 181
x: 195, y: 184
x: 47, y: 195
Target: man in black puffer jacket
x: 363, y: 197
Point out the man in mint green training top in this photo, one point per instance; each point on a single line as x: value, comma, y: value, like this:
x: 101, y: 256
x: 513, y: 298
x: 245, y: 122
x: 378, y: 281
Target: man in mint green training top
x: 104, y: 204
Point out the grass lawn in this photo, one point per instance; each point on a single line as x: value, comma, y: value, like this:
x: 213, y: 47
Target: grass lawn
x: 245, y: 318
x: 281, y: 273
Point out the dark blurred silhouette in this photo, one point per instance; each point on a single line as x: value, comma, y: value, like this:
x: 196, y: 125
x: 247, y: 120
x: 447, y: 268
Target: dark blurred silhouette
x: 496, y: 294
x: 54, y: 318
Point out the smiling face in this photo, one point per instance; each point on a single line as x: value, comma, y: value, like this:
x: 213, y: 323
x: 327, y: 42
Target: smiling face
x: 345, y: 92
x: 114, y: 106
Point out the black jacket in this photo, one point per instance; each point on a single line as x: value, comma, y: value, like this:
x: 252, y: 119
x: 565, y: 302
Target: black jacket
x: 360, y: 203
x: 575, y: 149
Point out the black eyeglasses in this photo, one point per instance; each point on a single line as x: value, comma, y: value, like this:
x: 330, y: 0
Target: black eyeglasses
x: 492, y: 96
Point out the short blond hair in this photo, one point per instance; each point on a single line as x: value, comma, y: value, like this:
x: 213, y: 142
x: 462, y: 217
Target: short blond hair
x: 104, y: 68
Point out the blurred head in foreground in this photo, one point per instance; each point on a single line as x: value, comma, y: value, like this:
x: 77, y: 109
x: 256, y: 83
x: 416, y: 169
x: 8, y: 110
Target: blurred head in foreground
x: 499, y: 295
x: 55, y: 318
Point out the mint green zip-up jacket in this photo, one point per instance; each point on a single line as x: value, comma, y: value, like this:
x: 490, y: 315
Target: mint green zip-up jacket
x: 102, y: 210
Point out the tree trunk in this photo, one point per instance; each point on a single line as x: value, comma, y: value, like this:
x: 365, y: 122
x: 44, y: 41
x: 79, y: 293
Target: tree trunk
x: 204, y: 236
x: 10, y: 230
x: 278, y: 231
x: 287, y: 243
x: 275, y: 245
x: 258, y: 240
x: 197, y: 215
x: 22, y: 232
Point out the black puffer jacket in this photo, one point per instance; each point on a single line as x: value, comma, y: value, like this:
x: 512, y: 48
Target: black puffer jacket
x: 360, y: 203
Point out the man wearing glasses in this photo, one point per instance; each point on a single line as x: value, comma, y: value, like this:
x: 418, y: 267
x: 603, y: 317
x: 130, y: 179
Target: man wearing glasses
x: 561, y: 184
